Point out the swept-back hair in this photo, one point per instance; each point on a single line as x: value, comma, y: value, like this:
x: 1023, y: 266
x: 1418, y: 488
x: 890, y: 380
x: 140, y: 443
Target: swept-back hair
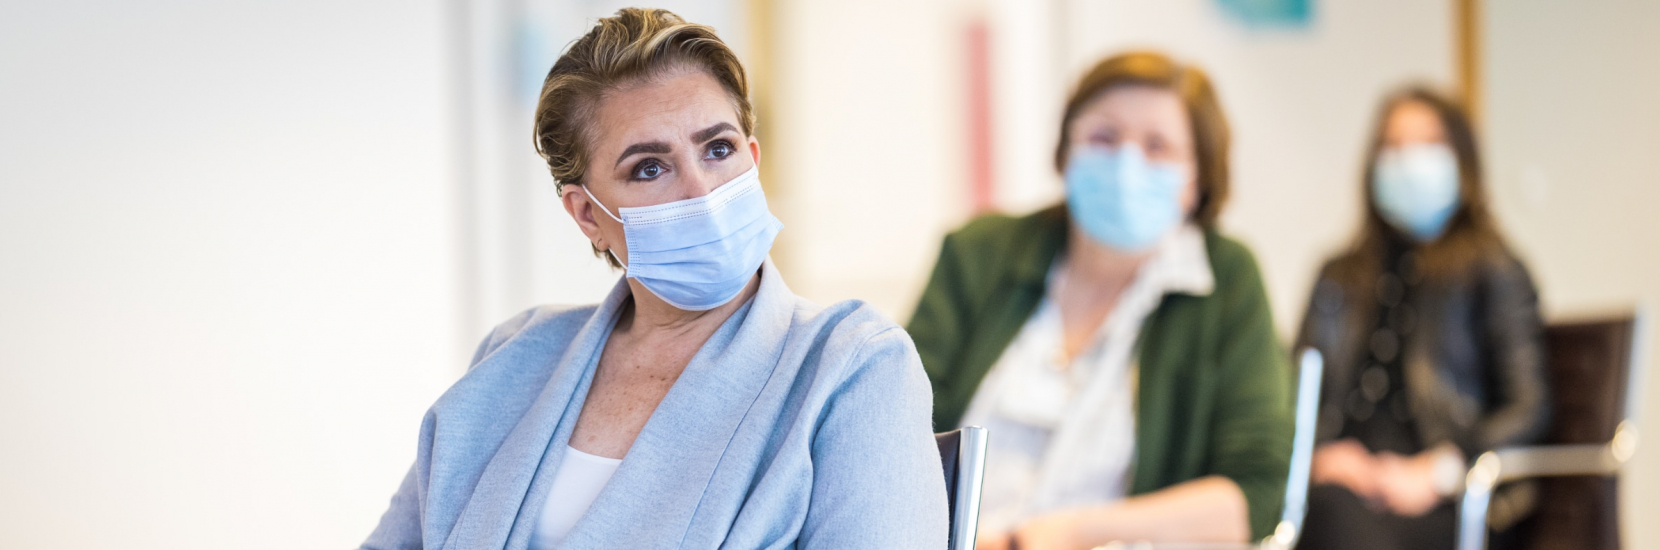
x: 634, y: 44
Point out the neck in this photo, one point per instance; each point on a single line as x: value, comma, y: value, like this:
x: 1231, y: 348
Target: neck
x: 1087, y: 260
x: 651, y: 313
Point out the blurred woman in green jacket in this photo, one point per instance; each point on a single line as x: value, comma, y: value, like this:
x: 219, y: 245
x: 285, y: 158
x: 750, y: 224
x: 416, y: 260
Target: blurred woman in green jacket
x: 1119, y: 349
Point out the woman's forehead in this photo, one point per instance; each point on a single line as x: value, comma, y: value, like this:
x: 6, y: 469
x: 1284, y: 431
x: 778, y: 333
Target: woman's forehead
x: 1135, y: 98
x: 668, y: 109
x: 1414, y: 118
x: 1135, y: 106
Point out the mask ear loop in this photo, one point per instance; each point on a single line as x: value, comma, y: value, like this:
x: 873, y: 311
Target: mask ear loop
x: 607, y: 212
x: 602, y: 207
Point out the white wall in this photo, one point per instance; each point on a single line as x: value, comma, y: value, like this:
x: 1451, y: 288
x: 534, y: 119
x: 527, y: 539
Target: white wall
x: 868, y: 141
x: 226, y: 290
x: 1573, y: 132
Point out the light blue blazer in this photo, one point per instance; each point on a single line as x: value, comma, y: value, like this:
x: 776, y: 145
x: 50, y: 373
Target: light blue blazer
x: 795, y: 426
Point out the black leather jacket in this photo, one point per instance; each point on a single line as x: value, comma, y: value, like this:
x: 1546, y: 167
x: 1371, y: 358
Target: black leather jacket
x: 1474, y: 373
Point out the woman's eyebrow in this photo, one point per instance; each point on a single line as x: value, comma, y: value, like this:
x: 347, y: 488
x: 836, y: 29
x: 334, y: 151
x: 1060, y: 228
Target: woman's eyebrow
x: 709, y: 133
x: 657, y: 147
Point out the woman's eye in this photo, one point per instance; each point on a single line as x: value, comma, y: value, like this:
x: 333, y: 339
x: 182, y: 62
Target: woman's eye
x: 648, y: 170
x: 1107, y: 139
x: 720, y: 150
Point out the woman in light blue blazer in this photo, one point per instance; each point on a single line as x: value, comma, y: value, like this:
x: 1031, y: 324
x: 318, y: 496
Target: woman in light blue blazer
x: 702, y: 404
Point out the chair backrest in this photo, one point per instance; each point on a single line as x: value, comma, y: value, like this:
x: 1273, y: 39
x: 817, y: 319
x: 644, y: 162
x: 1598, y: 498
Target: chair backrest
x: 963, y: 453
x: 1591, y: 366
x: 1311, y: 368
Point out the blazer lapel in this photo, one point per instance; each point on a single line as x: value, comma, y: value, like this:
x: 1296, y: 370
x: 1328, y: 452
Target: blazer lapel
x: 654, y: 495
x: 497, y: 505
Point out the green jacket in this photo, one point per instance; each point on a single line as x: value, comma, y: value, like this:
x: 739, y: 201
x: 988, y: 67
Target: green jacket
x: 1214, y: 393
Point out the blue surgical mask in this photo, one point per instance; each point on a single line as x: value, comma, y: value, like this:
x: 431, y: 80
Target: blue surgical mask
x: 1120, y: 199
x: 1416, y: 188
x: 697, y: 254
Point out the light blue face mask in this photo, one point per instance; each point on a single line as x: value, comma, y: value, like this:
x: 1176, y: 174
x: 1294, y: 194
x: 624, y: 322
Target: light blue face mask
x: 1120, y: 199
x: 699, y: 253
x: 1416, y: 188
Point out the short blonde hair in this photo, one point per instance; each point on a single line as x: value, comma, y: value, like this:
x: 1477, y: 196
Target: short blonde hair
x: 634, y: 44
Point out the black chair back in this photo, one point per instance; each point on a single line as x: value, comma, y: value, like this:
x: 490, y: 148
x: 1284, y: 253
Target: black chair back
x: 949, y: 443
x: 1589, y: 364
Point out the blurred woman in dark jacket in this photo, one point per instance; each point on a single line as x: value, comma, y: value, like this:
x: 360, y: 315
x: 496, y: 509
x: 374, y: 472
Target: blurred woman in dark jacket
x: 1431, y: 332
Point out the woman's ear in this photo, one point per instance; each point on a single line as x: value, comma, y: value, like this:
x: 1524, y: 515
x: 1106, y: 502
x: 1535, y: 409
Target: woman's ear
x: 581, y: 209
x: 755, y: 150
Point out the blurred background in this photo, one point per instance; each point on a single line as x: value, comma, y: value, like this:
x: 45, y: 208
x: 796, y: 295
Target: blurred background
x: 243, y: 245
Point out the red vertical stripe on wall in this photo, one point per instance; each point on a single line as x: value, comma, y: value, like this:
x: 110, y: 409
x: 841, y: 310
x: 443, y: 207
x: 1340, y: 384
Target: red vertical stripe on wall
x: 982, y: 187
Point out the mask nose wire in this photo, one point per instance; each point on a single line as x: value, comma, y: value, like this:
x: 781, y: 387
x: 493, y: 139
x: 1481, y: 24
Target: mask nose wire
x: 607, y: 212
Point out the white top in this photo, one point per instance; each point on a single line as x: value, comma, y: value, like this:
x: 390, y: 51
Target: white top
x: 1063, y: 434
x: 578, y: 482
